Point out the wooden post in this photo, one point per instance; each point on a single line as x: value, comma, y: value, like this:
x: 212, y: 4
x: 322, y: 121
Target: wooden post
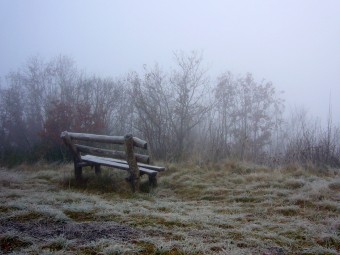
x: 76, y: 156
x: 152, y: 180
x: 97, y: 170
x: 78, y: 171
x: 131, y: 160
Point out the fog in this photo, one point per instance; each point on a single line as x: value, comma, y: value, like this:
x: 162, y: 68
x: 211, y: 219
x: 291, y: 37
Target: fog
x: 294, y: 44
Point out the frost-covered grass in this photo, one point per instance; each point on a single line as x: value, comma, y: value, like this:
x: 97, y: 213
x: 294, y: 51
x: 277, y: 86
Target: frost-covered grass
x: 227, y: 208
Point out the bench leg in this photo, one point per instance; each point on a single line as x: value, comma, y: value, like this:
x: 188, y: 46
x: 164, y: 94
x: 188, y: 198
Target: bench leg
x: 152, y: 180
x: 78, y: 170
x: 97, y: 170
x: 135, y: 182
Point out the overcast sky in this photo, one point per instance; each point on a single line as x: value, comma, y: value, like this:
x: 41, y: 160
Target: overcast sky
x: 294, y: 44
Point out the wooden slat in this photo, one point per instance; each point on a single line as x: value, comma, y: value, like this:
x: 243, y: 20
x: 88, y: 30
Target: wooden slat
x: 96, y: 138
x: 151, y: 167
x: 147, y: 171
x: 154, y: 168
x: 111, y: 163
x: 104, y: 139
x: 84, y: 164
x: 140, y: 143
x: 111, y: 153
x: 104, y: 162
x: 100, y: 152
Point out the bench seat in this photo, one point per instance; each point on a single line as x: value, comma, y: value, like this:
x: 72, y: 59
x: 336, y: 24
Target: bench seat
x: 121, y: 164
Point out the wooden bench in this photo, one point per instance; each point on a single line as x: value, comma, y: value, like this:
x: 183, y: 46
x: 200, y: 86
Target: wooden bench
x: 136, y: 164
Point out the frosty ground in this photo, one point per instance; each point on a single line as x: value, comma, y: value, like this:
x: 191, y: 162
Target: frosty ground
x: 225, y: 208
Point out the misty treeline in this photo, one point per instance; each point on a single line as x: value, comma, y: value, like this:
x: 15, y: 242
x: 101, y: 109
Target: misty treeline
x: 182, y: 113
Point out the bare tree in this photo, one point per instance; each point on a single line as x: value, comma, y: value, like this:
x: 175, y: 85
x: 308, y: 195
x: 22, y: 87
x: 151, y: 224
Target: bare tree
x: 226, y: 117
x: 170, y: 106
x: 189, y: 86
x: 12, y: 118
x: 247, y: 113
x: 151, y: 100
x: 33, y: 78
x: 310, y: 142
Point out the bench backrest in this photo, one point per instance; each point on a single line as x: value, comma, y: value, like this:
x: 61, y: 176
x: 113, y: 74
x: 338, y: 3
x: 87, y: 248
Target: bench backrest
x: 129, y: 141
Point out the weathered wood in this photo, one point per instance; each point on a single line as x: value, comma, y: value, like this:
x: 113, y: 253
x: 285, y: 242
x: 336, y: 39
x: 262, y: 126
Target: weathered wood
x: 97, y: 170
x: 152, y: 180
x: 78, y: 171
x: 140, y: 143
x: 112, y: 163
x: 67, y: 140
x: 154, y: 168
x: 96, y: 138
x: 110, y: 153
x: 147, y: 171
x: 105, y: 162
x: 105, y: 139
x: 84, y: 164
x: 136, y: 164
x: 131, y: 160
x: 76, y: 156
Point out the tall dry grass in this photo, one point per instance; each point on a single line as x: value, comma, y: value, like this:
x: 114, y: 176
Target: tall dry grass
x: 226, y: 208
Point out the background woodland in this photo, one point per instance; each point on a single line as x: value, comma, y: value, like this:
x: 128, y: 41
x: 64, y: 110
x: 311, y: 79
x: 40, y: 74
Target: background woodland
x: 183, y: 113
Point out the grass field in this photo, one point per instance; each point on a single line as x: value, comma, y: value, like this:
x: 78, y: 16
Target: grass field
x: 227, y: 208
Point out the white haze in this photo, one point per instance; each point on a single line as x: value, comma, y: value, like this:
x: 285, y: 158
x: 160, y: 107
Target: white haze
x: 294, y: 44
